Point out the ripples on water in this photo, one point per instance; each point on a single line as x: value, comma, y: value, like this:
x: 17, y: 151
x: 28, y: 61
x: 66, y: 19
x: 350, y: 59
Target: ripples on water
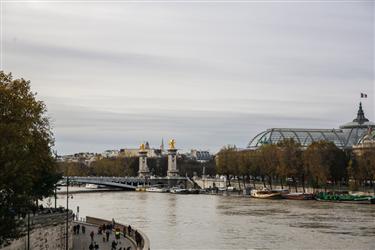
x: 226, y: 222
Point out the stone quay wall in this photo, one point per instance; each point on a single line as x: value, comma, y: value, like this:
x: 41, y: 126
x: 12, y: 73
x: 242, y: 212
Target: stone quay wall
x: 145, y: 240
x: 47, y: 232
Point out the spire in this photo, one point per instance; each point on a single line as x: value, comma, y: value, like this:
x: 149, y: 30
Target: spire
x: 162, y: 144
x: 360, y: 115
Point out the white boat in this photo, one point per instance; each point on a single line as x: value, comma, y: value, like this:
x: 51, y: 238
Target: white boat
x: 157, y: 190
x: 176, y: 190
x: 91, y: 186
x: 266, y: 194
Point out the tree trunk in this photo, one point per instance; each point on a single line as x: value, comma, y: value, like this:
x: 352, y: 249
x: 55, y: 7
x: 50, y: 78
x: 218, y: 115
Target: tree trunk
x: 281, y: 182
x: 295, y: 183
x: 270, y: 182
x: 228, y: 180
x: 264, y: 183
x: 239, y: 183
x: 244, y: 182
x: 303, y: 182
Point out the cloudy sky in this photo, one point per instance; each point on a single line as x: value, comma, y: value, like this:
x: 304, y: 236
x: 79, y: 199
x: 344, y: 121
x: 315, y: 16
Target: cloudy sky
x: 114, y: 74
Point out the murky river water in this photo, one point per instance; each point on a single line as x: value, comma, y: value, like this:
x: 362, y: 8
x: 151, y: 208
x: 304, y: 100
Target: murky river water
x: 222, y: 222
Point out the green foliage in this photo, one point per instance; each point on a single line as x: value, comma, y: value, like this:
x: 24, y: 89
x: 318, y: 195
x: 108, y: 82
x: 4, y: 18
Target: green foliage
x: 27, y: 165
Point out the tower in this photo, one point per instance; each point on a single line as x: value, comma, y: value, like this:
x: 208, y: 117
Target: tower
x: 143, y: 168
x: 172, y: 159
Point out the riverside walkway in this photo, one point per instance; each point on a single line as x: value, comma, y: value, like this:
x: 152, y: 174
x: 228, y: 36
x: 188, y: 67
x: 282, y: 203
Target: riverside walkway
x: 82, y: 241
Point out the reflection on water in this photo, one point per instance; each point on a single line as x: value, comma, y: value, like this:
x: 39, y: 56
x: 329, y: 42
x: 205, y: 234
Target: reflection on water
x: 223, y: 222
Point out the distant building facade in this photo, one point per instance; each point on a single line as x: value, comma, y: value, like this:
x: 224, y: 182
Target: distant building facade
x: 200, y: 155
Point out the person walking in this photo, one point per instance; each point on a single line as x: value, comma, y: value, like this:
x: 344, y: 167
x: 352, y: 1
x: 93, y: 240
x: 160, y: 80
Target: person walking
x: 92, y: 235
x: 83, y: 229
x: 96, y: 246
x: 91, y: 247
x: 107, y: 234
x: 74, y: 229
x: 114, y: 244
x: 78, y: 227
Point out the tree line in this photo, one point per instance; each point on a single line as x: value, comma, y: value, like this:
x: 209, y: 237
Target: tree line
x: 128, y: 166
x: 322, y: 164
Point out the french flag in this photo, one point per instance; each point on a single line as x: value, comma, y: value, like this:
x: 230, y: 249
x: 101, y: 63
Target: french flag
x: 363, y: 95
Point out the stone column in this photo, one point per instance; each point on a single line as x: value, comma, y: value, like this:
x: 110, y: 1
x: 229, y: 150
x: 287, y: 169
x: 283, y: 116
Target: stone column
x: 143, y: 168
x: 172, y: 159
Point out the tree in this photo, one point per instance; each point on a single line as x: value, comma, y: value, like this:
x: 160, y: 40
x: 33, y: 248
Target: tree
x: 27, y: 165
x: 290, y: 162
x: 269, y: 161
x: 226, y: 161
x: 366, y: 166
x: 324, y: 162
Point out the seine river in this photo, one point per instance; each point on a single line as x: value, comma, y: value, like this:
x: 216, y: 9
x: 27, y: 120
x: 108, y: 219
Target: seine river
x: 227, y: 222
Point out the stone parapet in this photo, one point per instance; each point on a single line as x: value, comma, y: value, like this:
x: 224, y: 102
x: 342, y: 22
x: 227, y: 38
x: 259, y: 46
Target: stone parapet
x: 47, y: 231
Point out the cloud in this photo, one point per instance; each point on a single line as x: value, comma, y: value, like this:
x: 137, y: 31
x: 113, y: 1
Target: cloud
x: 208, y: 74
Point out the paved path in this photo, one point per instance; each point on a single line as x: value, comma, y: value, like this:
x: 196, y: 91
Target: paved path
x: 82, y: 241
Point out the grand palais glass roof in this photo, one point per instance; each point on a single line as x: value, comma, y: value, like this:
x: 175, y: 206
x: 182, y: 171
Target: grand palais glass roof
x: 348, y: 135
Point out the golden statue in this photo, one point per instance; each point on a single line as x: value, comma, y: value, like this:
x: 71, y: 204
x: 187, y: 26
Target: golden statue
x: 172, y: 144
x: 142, y: 147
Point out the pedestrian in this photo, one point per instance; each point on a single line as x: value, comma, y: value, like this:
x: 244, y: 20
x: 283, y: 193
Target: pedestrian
x: 83, y: 229
x: 92, y: 235
x: 114, y: 244
x: 74, y: 229
x: 96, y: 246
x: 91, y: 247
x: 129, y: 230
x: 107, y: 234
x: 78, y: 226
x: 113, y: 222
x: 124, y: 231
x: 117, y: 234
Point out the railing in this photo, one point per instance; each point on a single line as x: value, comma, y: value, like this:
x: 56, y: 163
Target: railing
x: 145, y: 242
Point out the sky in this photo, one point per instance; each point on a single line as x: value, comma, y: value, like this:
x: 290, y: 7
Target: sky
x: 114, y: 74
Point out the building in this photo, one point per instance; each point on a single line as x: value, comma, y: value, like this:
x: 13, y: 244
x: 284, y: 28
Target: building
x: 345, y: 137
x: 200, y: 155
x: 366, y: 143
x: 110, y: 153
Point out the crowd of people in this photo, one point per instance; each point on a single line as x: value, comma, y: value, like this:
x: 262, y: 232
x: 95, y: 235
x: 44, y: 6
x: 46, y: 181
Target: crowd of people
x: 105, y: 230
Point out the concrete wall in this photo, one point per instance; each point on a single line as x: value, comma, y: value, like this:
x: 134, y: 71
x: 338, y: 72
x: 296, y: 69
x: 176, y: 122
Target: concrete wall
x: 47, y: 233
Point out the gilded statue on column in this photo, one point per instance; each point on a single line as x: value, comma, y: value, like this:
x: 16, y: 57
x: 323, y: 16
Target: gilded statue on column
x: 172, y: 144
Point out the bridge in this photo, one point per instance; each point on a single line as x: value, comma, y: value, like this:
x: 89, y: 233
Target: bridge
x: 128, y: 183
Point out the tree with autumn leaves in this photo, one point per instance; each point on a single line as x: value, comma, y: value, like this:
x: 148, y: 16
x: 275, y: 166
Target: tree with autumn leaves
x: 27, y: 164
x: 319, y: 164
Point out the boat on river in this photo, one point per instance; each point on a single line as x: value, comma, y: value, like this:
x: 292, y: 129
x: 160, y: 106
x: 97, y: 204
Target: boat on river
x: 345, y: 198
x: 157, y: 190
x: 266, y: 194
x: 177, y: 190
x: 298, y: 196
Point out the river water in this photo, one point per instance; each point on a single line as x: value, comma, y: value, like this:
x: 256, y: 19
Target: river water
x: 229, y: 222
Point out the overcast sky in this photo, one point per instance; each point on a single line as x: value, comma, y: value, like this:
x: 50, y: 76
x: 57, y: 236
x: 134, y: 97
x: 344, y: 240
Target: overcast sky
x: 207, y: 74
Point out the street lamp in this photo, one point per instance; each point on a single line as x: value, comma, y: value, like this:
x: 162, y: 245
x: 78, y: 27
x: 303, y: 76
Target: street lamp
x: 67, y: 213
